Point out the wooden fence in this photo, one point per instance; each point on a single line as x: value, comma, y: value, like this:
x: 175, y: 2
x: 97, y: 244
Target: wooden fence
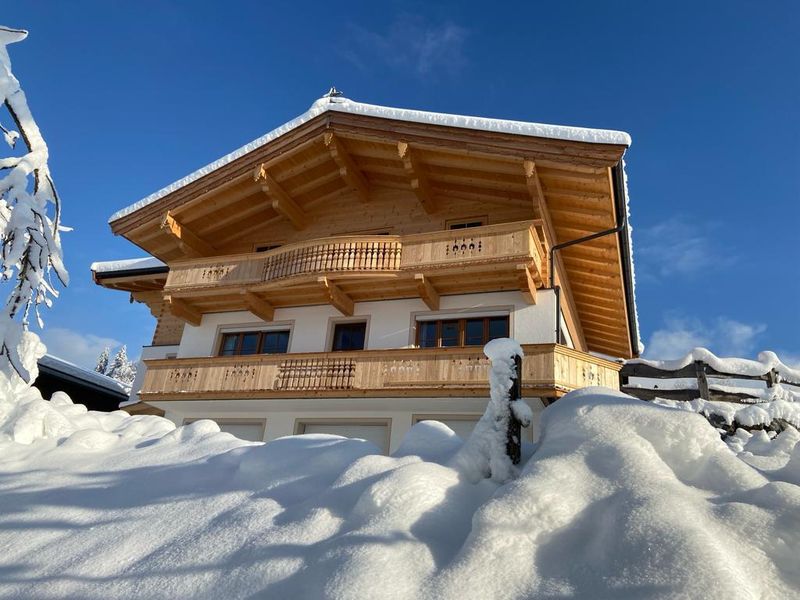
x: 704, y: 374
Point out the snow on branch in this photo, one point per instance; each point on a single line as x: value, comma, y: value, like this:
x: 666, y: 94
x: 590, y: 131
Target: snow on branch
x: 31, y: 247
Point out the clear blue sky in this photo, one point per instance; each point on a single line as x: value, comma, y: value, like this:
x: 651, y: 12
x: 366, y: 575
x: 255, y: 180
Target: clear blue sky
x: 132, y: 96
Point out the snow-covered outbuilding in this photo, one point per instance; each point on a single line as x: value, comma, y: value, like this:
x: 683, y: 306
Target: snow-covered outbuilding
x: 342, y: 273
x: 94, y: 390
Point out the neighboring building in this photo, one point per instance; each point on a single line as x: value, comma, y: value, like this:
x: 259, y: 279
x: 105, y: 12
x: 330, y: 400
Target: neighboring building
x: 342, y: 273
x: 94, y: 390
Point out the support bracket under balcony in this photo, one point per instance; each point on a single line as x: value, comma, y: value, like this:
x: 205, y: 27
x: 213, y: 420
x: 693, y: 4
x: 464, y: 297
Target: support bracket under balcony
x: 182, y: 310
x: 426, y: 291
x: 258, y: 306
x: 336, y: 297
x: 527, y: 284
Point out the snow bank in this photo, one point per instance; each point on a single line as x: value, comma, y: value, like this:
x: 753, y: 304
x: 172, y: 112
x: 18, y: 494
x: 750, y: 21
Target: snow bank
x: 747, y: 415
x: 340, y: 104
x: 621, y: 498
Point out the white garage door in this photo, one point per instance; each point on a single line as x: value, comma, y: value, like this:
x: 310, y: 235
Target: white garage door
x: 462, y: 427
x: 253, y: 432
x: 377, y: 434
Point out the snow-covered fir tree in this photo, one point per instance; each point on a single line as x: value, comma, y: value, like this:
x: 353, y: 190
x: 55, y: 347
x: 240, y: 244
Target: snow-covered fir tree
x: 102, y: 361
x: 121, y: 368
x: 28, y: 234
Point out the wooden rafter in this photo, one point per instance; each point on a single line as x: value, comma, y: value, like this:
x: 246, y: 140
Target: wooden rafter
x: 527, y: 285
x: 189, y: 242
x: 417, y: 177
x: 336, y: 297
x: 182, y: 310
x: 258, y: 306
x: 281, y: 201
x: 347, y: 166
x: 536, y: 192
x: 426, y: 291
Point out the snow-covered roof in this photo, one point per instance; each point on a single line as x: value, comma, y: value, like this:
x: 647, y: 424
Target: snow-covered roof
x: 340, y: 104
x: 130, y: 264
x: 73, y: 370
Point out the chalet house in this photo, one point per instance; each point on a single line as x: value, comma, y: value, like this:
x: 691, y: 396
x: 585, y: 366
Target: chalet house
x: 342, y: 273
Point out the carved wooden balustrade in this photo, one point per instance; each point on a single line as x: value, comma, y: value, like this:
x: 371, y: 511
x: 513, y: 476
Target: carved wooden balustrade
x: 364, y: 254
x: 548, y: 370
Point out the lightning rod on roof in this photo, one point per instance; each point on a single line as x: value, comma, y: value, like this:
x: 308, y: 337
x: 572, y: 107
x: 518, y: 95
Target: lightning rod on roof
x: 333, y: 93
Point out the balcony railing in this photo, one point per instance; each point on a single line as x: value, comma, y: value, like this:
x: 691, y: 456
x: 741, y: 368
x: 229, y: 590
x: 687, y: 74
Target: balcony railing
x: 548, y: 370
x: 364, y: 254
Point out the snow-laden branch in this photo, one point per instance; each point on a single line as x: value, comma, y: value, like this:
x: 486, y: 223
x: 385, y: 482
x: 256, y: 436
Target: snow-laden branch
x: 31, y: 247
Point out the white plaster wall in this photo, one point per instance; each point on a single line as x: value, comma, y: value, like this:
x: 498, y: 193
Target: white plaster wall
x: 389, y: 322
x: 282, y: 415
x: 148, y: 352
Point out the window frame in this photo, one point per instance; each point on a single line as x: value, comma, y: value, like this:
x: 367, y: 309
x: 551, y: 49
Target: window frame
x: 462, y: 326
x: 462, y: 224
x: 345, y: 323
x: 260, y: 332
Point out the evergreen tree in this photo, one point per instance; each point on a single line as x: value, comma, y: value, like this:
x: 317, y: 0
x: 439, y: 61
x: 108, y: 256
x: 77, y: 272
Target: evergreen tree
x: 121, y: 368
x: 102, y: 361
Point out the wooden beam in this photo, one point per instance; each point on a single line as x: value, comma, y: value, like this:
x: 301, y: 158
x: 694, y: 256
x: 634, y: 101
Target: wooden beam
x: 281, y: 201
x: 426, y: 291
x: 536, y: 192
x: 182, y: 310
x: 347, y: 167
x: 336, y: 297
x: 189, y: 241
x: 258, y: 306
x: 526, y: 283
x: 417, y: 177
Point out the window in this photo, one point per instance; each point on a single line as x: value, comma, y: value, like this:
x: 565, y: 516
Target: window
x: 267, y: 247
x: 472, y: 331
x: 466, y: 223
x: 254, y: 342
x: 349, y: 336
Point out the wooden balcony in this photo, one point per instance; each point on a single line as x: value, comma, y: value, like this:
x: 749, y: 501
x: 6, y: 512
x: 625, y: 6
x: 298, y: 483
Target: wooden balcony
x: 548, y: 370
x: 366, y: 267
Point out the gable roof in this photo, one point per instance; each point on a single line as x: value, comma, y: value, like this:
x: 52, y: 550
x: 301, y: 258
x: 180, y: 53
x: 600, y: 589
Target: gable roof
x: 345, y: 105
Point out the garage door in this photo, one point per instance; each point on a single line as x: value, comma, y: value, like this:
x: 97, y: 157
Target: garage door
x: 462, y: 427
x: 377, y: 434
x: 253, y: 432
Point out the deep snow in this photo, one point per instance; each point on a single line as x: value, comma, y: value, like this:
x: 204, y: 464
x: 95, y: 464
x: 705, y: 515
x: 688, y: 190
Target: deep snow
x: 621, y: 498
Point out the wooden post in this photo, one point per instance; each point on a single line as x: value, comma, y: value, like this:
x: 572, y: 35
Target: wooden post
x: 513, y: 443
x: 702, y: 380
x: 772, y: 378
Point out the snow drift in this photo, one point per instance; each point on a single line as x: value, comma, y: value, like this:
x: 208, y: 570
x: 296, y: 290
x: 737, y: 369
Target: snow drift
x: 620, y: 499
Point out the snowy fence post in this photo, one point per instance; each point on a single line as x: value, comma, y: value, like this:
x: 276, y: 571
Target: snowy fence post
x: 513, y: 445
x: 702, y: 380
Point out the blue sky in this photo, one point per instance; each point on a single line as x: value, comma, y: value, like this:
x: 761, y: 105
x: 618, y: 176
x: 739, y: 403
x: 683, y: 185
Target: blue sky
x: 132, y: 96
